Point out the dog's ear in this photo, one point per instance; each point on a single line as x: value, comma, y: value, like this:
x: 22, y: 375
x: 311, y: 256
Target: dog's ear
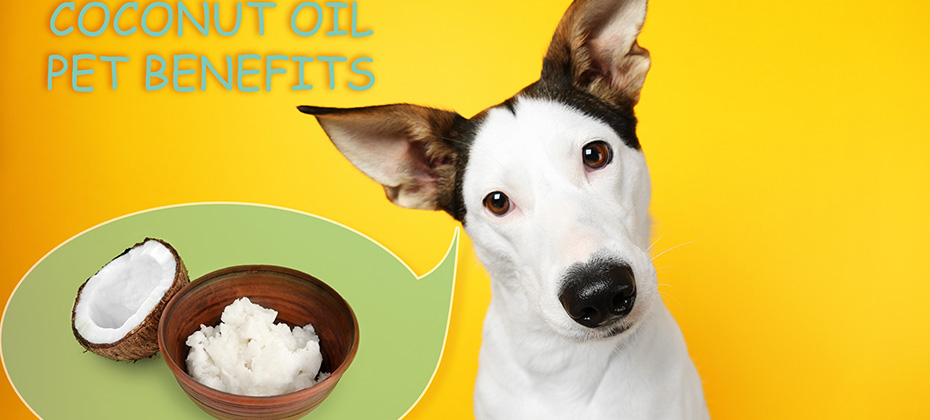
x: 406, y: 148
x: 595, y: 48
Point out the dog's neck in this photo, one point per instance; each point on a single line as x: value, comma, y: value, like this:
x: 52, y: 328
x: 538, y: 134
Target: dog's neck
x: 538, y: 350
x: 634, y: 373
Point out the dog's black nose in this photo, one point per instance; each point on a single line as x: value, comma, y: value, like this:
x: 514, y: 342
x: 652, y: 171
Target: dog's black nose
x: 596, y: 293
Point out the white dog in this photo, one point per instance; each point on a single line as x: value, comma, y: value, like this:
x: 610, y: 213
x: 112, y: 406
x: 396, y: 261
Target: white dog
x: 553, y: 189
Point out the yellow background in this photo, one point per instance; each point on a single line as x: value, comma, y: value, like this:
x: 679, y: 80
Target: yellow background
x: 788, y: 144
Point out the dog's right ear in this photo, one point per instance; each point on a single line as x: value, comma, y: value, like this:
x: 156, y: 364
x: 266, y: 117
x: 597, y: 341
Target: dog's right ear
x: 594, y: 48
x: 406, y: 148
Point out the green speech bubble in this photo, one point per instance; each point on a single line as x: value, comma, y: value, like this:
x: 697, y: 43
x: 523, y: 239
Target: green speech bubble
x: 402, y: 319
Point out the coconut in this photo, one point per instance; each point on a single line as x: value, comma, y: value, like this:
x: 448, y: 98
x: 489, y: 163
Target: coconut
x: 116, y: 311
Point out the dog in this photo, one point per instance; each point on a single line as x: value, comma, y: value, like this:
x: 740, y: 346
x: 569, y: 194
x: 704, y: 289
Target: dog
x: 552, y: 187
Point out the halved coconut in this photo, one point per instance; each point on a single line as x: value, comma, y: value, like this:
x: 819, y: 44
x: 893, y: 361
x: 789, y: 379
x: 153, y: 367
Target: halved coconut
x: 116, y: 311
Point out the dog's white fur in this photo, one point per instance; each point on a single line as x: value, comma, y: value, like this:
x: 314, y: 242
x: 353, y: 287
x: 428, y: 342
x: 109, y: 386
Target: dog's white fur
x: 536, y: 362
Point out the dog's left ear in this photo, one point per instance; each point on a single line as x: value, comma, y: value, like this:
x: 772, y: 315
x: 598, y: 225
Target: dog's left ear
x: 595, y: 48
x: 406, y: 148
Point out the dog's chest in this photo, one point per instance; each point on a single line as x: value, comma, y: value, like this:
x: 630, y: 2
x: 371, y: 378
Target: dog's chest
x: 529, y: 376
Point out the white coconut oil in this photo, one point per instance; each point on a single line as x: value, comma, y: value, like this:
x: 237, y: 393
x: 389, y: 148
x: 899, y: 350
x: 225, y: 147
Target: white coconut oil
x: 248, y: 354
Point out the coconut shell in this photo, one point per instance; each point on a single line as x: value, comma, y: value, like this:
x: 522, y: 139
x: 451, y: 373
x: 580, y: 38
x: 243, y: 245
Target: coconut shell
x: 142, y: 341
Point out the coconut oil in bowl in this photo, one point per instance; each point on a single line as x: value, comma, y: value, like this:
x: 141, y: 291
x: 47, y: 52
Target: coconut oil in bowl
x: 299, y: 299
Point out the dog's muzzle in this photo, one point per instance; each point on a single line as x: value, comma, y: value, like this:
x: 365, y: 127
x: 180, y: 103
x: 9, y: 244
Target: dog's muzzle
x: 598, y: 292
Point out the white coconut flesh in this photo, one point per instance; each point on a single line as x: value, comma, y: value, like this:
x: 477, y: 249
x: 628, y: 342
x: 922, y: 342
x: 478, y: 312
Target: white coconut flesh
x: 123, y: 293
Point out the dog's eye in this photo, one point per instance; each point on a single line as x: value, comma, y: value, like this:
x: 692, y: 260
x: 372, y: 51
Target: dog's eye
x: 497, y: 202
x: 596, y: 154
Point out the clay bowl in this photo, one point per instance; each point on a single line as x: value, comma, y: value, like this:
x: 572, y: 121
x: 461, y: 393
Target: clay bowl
x: 299, y: 299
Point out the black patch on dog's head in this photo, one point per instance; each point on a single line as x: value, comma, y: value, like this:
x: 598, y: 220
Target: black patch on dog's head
x: 460, y: 137
x: 562, y: 90
x: 510, y: 106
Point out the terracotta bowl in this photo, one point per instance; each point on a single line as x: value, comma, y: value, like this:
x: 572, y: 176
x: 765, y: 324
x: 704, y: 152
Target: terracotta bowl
x: 299, y: 299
